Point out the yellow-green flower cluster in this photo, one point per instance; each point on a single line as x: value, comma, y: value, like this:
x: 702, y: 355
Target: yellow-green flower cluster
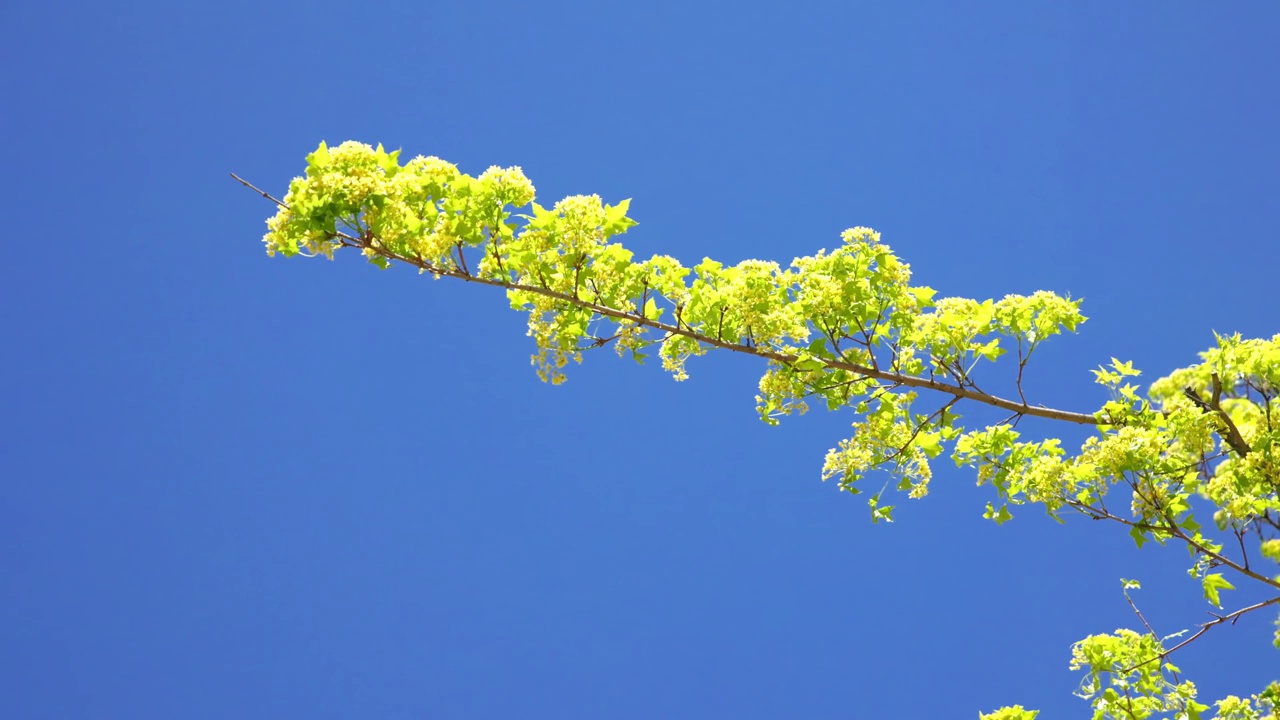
x: 1236, y: 386
x: 422, y: 210
x: 887, y: 434
x: 1126, y: 679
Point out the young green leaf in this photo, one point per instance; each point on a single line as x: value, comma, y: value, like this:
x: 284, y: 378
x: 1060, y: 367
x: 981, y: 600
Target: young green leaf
x: 1214, y: 582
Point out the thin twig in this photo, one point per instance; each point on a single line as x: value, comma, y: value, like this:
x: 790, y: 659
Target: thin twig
x: 462, y: 261
x: 1244, y: 554
x: 1173, y: 530
x: 1139, y: 614
x: 1022, y: 364
x: 940, y: 412
x: 263, y: 193
x: 1204, y: 628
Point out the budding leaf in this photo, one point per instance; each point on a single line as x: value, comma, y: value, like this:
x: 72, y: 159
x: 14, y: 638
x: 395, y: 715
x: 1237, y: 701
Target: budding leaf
x: 1214, y: 582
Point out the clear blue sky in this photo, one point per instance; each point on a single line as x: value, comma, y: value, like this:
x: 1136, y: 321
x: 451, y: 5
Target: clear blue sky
x: 239, y: 487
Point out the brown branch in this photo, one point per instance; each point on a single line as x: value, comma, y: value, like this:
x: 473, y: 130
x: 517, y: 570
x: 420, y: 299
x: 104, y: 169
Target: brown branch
x: 462, y: 261
x: 494, y: 239
x: 899, y: 378
x: 940, y: 412
x: 1022, y: 365
x: 1204, y: 628
x: 261, y: 192
x: 1223, y: 559
x: 1231, y: 434
x: 1138, y: 612
x: 750, y: 348
x: 1173, y: 531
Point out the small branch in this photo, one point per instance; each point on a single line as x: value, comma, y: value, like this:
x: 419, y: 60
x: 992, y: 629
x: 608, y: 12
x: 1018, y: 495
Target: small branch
x: 600, y: 342
x: 1022, y: 364
x: 261, y: 192
x: 1173, y: 530
x: 843, y: 385
x: 871, y: 337
x: 1244, y: 554
x: 494, y: 239
x: 1223, y: 559
x: 1204, y: 628
x: 1145, y: 624
x: 1138, y: 612
x: 462, y: 261
x: 831, y: 335
x: 1231, y: 434
x: 1273, y: 522
x: 940, y: 412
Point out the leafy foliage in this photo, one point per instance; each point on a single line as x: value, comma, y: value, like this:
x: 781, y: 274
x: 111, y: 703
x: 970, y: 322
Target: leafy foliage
x: 847, y: 329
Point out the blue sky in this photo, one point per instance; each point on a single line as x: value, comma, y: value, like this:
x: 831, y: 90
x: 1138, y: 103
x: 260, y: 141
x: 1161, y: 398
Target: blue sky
x: 245, y: 487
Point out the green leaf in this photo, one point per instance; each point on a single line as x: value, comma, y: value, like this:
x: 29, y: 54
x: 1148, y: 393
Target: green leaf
x: 318, y: 160
x: 1190, y: 525
x: 388, y: 161
x: 991, y: 351
x: 924, y: 294
x: 542, y: 217
x: 930, y: 443
x: 616, y: 220
x: 879, y: 512
x: 1124, y: 368
x: 1214, y: 582
x: 805, y: 362
x: 1000, y: 516
x: 651, y: 310
x: 818, y: 348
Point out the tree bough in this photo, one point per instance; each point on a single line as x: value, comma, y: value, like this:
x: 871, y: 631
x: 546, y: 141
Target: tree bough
x: 848, y: 329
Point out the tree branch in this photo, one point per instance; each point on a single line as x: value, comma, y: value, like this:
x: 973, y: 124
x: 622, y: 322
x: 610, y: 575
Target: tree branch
x: 1173, y: 530
x: 1231, y: 433
x: 1204, y: 628
x: 957, y: 391
x: 748, y: 349
x: 261, y: 192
